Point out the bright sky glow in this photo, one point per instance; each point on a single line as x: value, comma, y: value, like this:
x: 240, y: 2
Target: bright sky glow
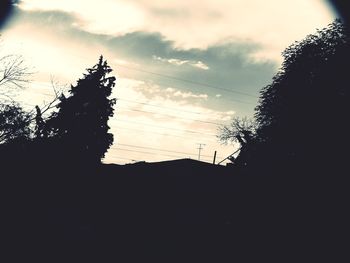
x: 182, y: 66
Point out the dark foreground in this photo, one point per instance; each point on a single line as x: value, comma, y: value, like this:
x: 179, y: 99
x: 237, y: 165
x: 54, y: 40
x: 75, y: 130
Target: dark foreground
x: 179, y: 211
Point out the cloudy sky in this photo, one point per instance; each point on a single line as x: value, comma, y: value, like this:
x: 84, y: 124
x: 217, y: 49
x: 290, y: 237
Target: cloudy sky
x: 183, y: 67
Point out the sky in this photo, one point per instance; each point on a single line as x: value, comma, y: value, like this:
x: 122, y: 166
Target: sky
x: 183, y: 67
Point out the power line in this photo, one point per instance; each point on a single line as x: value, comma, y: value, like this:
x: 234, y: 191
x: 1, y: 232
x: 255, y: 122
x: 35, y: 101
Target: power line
x: 137, y: 102
x: 158, y: 106
x: 150, y: 112
x: 176, y: 78
x: 181, y: 79
x: 152, y: 105
x: 167, y: 127
x: 152, y: 153
x: 226, y: 99
x: 142, y: 103
x: 172, y: 116
x: 163, y: 127
x: 157, y: 126
x: 157, y: 149
x: 221, y: 98
x: 117, y: 130
x: 186, y: 80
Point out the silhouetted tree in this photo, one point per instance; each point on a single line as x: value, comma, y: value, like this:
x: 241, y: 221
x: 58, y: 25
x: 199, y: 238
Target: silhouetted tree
x: 14, y: 123
x: 13, y: 71
x: 14, y: 75
x: 242, y: 131
x: 81, y: 120
x: 302, y: 115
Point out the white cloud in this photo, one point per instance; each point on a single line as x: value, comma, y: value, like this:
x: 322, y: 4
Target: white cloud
x: 274, y: 24
x: 169, y: 92
x: 125, y: 63
x: 230, y: 112
x: 201, y: 65
x: 175, y: 61
x: 186, y: 95
x: 179, y: 62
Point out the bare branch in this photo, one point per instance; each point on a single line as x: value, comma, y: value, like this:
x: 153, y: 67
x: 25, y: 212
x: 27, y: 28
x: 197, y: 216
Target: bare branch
x: 13, y: 71
x: 240, y: 130
x: 58, y: 91
x: 7, y: 97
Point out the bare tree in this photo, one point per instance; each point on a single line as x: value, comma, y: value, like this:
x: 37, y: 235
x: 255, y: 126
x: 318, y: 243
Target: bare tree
x: 241, y: 130
x: 14, y: 75
x: 15, y: 122
x: 58, y: 92
x: 13, y: 71
x: 46, y: 107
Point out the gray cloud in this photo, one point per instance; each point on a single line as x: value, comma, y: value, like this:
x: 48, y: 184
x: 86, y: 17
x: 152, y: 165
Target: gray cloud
x: 230, y: 64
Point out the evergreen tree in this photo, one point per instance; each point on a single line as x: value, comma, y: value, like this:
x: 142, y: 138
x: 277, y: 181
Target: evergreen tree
x: 81, y: 121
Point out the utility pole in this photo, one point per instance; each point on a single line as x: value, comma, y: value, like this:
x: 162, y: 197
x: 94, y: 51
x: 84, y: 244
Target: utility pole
x: 199, y: 150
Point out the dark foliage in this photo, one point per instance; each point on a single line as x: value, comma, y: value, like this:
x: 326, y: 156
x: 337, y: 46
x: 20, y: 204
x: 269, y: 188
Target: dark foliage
x: 301, y: 118
x: 81, y: 120
x: 14, y: 123
x: 296, y: 173
x: 302, y: 115
x: 40, y: 131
